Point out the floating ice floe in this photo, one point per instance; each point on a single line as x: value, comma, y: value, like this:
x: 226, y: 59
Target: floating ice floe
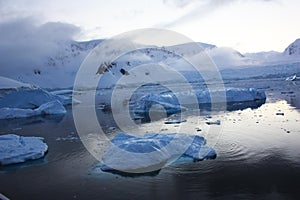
x: 232, y: 95
x: 50, y: 108
x: 31, y: 98
x: 32, y: 102
x: 291, y: 78
x: 17, y: 149
x: 137, y: 154
x: 169, y: 100
x: 244, y: 94
x: 72, y: 137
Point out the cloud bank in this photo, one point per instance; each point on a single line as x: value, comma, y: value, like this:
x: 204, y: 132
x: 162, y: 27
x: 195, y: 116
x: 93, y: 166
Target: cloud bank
x: 24, y: 45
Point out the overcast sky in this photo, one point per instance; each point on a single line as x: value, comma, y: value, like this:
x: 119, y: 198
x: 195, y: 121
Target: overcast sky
x: 245, y: 25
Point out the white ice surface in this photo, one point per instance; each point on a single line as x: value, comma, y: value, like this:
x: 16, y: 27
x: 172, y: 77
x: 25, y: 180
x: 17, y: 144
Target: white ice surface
x: 30, y: 102
x: 18, y: 149
x: 54, y: 107
x: 229, y: 95
x: 150, y: 152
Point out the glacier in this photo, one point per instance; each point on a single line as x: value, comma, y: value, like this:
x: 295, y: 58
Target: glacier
x: 18, y: 149
x: 149, y: 152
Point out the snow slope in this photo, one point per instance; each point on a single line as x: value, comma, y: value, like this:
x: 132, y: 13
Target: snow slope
x: 7, y: 83
x: 291, y: 54
x: 59, y: 68
x: 293, y: 49
x: 56, y: 70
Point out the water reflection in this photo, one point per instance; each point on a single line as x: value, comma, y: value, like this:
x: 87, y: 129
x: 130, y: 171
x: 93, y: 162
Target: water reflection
x: 30, y: 163
x: 31, y: 120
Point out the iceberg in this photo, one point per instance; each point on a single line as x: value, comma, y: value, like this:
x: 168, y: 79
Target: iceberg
x: 244, y: 95
x: 30, y: 98
x: 169, y: 100
x: 32, y: 102
x: 150, y: 153
x: 292, y: 78
x: 50, y: 108
x: 18, y: 149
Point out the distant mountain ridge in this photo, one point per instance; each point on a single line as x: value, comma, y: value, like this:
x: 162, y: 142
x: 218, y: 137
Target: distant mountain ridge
x: 60, y: 68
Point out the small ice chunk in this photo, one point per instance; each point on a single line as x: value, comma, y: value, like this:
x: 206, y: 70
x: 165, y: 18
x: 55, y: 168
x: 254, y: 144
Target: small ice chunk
x: 291, y: 78
x: 18, y: 149
x: 71, y: 137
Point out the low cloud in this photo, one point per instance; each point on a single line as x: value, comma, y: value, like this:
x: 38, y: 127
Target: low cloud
x: 25, y: 45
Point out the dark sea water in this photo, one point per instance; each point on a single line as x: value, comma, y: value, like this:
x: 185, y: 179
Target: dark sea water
x: 258, y: 157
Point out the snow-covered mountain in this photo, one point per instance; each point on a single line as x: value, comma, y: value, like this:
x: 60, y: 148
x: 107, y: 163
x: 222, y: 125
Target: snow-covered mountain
x: 291, y: 54
x: 58, y: 68
x: 293, y: 49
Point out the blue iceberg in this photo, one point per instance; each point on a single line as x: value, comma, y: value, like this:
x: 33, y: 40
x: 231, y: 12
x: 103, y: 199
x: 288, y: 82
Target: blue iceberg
x: 143, y: 154
x: 31, y: 99
x: 234, y: 98
x: 32, y: 102
x: 17, y: 149
x: 167, y: 100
